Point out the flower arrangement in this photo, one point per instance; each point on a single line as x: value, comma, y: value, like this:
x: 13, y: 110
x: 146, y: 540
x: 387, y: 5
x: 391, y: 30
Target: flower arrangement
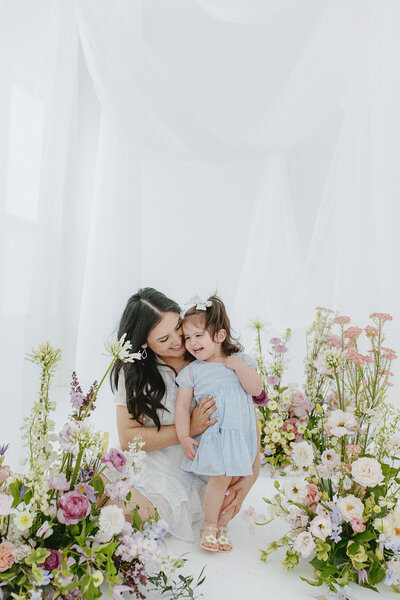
x: 282, y: 411
x: 342, y: 503
x: 60, y: 536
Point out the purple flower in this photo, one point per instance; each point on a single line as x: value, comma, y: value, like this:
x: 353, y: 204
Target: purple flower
x: 336, y: 516
x: 280, y: 349
x: 362, y: 576
x: 336, y: 531
x: 77, y: 399
x: 116, y: 457
x: 261, y: 400
x: 72, y: 508
x: 22, y: 491
x: 275, y: 340
x: 273, y: 380
x: 53, y: 561
x: 3, y: 449
x: 88, y: 490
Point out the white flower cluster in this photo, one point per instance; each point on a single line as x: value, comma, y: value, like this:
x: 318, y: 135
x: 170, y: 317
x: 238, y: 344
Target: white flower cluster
x: 80, y: 435
x: 121, y: 350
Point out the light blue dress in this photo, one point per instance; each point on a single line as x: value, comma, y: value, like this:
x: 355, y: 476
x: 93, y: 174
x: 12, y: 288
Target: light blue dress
x: 229, y: 446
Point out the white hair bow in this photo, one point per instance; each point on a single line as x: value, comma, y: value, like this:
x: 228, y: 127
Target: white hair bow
x: 198, y: 302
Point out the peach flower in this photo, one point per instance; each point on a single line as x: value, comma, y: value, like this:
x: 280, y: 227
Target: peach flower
x: 6, y: 556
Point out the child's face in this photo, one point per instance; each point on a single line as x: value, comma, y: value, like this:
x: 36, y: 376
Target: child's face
x: 198, y: 340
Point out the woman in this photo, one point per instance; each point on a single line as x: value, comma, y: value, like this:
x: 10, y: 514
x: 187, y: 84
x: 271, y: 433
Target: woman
x: 146, y: 394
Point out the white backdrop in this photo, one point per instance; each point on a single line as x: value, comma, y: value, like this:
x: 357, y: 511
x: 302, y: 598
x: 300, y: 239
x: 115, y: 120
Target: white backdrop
x: 191, y: 145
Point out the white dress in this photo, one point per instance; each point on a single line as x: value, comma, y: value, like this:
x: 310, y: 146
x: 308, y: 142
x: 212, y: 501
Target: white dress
x: 178, y: 495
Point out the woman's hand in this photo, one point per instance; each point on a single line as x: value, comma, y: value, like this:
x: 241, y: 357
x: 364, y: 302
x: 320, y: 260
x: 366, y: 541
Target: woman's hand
x: 201, y: 416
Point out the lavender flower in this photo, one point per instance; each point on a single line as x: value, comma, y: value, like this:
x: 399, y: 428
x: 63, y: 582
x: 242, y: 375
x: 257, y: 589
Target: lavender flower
x: 3, y: 449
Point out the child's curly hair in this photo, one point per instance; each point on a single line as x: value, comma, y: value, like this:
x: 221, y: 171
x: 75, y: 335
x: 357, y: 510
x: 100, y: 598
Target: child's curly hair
x: 216, y: 318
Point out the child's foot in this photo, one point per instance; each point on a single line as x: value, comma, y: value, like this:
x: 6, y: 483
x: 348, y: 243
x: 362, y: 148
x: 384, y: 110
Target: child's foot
x: 208, y: 540
x: 224, y: 543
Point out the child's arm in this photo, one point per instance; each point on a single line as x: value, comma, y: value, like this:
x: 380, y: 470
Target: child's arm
x: 249, y: 378
x: 182, y: 421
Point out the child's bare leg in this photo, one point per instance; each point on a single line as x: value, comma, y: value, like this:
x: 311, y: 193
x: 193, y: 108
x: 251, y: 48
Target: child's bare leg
x: 223, y: 520
x: 213, y: 498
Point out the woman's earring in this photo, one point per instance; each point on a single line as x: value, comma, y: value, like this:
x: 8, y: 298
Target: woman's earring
x: 144, y: 353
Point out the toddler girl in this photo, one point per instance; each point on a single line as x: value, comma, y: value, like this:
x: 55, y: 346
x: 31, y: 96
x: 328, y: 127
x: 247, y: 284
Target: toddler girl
x: 226, y: 451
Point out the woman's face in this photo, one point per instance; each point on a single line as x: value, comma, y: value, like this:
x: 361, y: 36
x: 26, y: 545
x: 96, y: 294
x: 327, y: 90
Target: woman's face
x: 165, y: 339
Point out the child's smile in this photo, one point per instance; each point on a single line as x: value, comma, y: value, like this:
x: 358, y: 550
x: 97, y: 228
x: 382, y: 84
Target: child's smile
x: 199, y: 342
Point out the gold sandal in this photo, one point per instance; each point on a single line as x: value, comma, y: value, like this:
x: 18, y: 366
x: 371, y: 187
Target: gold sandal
x: 224, y: 543
x: 209, y: 539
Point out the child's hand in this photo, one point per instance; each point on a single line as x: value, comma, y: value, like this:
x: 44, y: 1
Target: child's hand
x: 233, y: 362
x: 187, y: 444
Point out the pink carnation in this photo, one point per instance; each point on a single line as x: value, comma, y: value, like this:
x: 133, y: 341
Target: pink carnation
x: 341, y: 320
x: 381, y: 316
x: 6, y: 556
x: 352, y: 333
x: 72, y: 508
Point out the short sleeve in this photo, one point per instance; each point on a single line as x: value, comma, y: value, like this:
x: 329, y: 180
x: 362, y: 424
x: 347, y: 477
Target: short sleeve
x: 185, y: 378
x: 120, y: 396
x: 248, y: 360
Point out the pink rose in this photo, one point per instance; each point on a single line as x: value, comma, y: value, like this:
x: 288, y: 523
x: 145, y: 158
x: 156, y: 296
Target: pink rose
x: 300, y: 406
x: 4, y: 473
x: 116, y: 457
x: 6, y: 556
x: 273, y: 380
x: 261, y: 400
x: 72, y: 508
x: 357, y: 525
x: 53, y: 561
x: 313, y: 493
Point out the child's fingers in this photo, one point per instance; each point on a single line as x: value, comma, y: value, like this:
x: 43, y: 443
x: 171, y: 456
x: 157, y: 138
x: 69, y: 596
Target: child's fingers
x: 195, y: 443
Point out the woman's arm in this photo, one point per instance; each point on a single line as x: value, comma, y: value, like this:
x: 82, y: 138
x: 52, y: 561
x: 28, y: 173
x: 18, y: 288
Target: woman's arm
x: 155, y: 439
x: 249, y: 378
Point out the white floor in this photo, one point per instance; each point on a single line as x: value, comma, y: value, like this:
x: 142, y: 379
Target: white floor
x: 241, y: 574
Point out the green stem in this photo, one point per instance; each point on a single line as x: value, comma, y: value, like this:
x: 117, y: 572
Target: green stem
x: 98, y: 387
x: 77, y: 465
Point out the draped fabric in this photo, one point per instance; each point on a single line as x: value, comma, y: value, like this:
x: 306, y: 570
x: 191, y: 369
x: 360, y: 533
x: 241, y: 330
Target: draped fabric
x: 245, y: 146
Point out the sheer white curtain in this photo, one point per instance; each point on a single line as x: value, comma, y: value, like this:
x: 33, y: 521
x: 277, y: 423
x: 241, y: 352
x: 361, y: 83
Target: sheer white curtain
x: 245, y: 146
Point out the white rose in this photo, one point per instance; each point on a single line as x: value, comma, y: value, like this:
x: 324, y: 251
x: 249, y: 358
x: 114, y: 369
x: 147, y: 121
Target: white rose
x: 367, y: 471
x: 303, y: 454
x: 321, y: 527
x: 351, y: 507
x: 295, y: 490
x: 304, y: 544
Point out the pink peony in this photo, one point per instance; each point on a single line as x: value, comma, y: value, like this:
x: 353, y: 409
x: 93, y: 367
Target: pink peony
x: 72, y: 508
x: 300, y: 406
x: 6, y: 556
x: 53, y: 561
x: 4, y: 473
x: 116, y: 457
x: 341, y: 320
x: 357, y: 525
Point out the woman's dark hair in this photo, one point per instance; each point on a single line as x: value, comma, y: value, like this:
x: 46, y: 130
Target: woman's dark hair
x: 144, y: 385
x: 216, y: 318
